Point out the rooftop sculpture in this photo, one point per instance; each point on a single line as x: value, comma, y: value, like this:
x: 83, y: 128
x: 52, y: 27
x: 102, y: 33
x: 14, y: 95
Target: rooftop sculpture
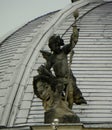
x: 55, y: 83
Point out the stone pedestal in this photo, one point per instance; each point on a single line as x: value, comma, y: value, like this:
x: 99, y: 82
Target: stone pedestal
x: 63, y: 117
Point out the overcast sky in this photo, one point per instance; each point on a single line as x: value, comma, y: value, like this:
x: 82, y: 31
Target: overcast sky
x: 14, y: 13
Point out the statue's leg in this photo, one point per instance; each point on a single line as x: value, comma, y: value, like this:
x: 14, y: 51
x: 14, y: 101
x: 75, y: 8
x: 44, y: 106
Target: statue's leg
x: 78, y: 98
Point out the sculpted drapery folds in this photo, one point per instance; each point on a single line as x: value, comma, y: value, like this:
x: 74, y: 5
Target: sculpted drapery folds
x: 55, y: 83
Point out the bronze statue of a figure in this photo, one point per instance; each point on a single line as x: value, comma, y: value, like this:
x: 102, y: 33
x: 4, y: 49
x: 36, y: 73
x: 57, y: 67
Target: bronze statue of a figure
x: 55, y: 83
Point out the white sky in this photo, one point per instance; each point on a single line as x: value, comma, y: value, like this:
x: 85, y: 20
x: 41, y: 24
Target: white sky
x: 14, y: 13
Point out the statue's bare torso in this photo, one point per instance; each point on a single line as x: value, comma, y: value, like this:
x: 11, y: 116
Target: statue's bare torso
x: 60, y: 65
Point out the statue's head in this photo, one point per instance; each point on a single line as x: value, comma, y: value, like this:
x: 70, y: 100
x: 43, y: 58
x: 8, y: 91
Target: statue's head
x: 55, y: 41
x: 43, y: 86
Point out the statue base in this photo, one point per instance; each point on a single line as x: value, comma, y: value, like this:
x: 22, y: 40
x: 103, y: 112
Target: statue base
x: 63, y: 117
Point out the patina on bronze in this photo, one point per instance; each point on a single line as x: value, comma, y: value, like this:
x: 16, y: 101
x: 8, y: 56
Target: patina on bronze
x: 57, y: 88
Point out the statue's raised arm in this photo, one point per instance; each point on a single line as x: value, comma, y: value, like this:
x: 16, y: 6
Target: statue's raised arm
x: 74, y: 36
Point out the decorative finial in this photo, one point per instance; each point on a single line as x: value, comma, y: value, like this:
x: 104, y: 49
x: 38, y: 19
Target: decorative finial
x: 76, y: 14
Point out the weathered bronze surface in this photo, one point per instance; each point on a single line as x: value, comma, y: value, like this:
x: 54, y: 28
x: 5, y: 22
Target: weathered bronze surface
x: 55, y: 83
